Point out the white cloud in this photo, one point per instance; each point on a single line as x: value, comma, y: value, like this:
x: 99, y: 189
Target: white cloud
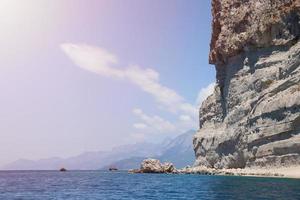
x: 148, y: 81
x: 185, y: 118
x: 93, y: 59
x: 139, y: 126
x: 204, y: 93
x: 156, y: 123
x: 100, y: 61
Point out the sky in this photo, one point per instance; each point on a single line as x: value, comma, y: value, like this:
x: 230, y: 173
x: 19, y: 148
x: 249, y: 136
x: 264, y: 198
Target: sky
x: 78, y: 75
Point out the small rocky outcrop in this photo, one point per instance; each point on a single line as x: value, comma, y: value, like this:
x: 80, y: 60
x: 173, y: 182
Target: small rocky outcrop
x: 154, y: 166
x: 62, y: 169
x: 253, y: 117
x: 113, y: 169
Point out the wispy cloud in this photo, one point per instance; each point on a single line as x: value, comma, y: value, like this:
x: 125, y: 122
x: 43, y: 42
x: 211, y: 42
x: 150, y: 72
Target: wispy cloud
x: 100, y: 61
x: 104, y: 63
x: 183, y: 123
x: 185, y: 118
x: 157, y: 123
x: 140, y: 126
x: 93, y: 59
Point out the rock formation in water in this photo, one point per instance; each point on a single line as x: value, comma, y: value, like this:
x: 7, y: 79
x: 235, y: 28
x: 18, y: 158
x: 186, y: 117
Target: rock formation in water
x: 253, y: 117
x: 154, y: 166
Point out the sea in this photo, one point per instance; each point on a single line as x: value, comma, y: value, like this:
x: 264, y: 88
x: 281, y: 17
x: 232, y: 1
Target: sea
x: 120, y: 185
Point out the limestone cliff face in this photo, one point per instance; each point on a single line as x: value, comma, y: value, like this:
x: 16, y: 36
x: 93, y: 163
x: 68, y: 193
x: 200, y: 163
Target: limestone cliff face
x: 253, y: 117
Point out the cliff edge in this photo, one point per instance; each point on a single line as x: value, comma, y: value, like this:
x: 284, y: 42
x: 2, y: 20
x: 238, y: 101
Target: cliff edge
x: 253, y: 117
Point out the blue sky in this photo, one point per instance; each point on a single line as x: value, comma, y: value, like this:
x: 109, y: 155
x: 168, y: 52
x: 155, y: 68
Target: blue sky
x: 150, y: 59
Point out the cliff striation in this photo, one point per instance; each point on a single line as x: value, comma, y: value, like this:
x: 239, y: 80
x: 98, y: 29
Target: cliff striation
x: 253, y: 117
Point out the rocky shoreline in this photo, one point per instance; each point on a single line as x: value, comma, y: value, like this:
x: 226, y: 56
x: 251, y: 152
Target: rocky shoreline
x: 232, y: 172
x: 155, y: 166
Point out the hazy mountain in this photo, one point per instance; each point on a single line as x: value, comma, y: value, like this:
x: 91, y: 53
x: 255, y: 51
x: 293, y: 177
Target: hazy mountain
x: 125, y: 164
x: 178, y: 150
x: 88, y: 160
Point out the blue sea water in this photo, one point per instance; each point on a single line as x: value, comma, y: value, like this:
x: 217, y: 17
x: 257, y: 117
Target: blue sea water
x: 121, y: 185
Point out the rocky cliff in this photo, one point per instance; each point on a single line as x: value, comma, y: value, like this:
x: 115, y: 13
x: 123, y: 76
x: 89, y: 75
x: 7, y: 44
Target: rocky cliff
x: 253, y: 117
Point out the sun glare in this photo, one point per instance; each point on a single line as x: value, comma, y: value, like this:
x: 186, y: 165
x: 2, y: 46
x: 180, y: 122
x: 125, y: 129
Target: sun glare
x: 11, y: 10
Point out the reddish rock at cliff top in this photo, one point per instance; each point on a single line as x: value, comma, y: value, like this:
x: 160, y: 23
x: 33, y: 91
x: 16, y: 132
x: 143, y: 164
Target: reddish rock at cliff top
x: 242, y: 24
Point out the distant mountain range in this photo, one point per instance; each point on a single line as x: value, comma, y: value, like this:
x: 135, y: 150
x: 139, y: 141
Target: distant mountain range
x: 179, y: 151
